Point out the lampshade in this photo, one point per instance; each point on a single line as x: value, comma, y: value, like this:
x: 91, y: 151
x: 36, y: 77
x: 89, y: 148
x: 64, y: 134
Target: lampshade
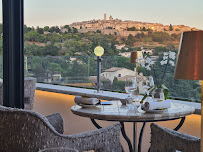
x: 99, y: 51
x: 189, y: 63
x: 133, y: 57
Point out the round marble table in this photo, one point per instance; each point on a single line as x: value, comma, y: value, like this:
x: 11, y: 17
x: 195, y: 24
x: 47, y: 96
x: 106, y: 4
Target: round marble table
x: 119, y: 112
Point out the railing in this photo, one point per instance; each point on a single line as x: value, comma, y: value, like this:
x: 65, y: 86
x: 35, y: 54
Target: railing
x: 80, y: 71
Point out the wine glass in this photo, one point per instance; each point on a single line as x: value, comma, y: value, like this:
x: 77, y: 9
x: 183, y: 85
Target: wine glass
x: 131, y: 86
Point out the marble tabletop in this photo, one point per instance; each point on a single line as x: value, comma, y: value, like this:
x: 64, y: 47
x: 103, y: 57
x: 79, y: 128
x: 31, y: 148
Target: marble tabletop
x: 119, y: 112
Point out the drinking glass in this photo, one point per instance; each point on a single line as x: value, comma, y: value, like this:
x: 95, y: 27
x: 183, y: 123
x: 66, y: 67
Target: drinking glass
x: 131, y: 86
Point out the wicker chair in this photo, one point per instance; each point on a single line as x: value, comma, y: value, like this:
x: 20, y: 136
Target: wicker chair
x: 166, y: 140
x: 29, y: 92
x: 28, y: 131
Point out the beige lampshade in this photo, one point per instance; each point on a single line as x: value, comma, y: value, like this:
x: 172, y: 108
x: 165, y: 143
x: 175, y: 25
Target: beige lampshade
x: 189, y: 63
x: 133, y: 57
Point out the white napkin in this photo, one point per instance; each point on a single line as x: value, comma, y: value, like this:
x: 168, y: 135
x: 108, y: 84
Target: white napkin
x: 83, y: 100
x: 156, y: 105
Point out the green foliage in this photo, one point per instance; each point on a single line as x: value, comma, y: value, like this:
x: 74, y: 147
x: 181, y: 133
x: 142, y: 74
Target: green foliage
x: 35, y: 50
x: 131, y: 29
x: 75, y: 30
x: 144, y: 29
x: 98, y: 31
x: 131, y: 40
x: 46, y: 28
x: 118, y: 85
x: 40, y: 30
x: 54, y: 29
x: 54, y: 68
x: 26, y: 29
x: 35, y: 37
x: 160, y: 37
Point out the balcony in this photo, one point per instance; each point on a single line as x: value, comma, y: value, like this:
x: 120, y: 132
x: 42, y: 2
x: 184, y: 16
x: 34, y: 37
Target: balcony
x: 48, y: 103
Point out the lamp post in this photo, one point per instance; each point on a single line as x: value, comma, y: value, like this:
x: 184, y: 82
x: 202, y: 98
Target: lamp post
x: 189, y: 64
x: 98, y: 51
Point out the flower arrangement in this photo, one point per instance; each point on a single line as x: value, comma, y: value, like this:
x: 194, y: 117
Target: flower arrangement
x: 149, y: 64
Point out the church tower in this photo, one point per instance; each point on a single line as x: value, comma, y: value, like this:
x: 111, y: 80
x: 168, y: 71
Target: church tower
x: 105, y: 17
x: 110, y: 18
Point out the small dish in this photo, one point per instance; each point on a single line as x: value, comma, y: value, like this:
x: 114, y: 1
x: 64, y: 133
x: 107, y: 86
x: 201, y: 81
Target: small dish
x: 106, y: 103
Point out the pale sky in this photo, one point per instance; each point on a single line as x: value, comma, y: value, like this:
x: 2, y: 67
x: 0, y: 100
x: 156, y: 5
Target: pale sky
x: 61, y: 12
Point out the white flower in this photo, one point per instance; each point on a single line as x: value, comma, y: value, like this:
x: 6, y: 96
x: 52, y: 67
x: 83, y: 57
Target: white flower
x: 148, y: 60
x: 148, y: 67
x: 152, y: 62
x: 165, y: 53
x: 143, y: 64
x: 172, y: 55
x: 137, y: 60
x: 165, y: 57
x: 172, y: 63
x: 163, y: 62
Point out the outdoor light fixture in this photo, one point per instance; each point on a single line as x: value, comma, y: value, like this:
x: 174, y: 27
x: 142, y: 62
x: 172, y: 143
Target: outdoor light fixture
x: 98, y: 51
x: 189, y: 64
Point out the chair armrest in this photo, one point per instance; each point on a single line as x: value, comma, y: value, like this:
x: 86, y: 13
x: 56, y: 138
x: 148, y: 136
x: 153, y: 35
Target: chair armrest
x: 164, y: 139
x: 56, y: 121
x: 103, y: 140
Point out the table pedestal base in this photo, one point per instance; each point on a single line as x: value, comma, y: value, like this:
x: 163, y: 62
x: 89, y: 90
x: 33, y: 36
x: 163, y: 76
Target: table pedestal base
x: 133, y: 148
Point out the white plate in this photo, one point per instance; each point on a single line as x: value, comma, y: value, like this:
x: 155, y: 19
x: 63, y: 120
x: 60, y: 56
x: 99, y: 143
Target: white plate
x: 88, y: 106
x: 156, y: 111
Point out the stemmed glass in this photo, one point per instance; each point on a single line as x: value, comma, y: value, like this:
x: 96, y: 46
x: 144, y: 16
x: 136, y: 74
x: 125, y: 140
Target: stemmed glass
x: 130, y: 87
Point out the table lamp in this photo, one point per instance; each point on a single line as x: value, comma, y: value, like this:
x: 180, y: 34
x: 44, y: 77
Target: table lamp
x: 189, y: 63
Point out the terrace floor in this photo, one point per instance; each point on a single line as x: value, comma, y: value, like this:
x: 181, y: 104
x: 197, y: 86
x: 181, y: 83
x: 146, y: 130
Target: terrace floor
x: 48, y: 103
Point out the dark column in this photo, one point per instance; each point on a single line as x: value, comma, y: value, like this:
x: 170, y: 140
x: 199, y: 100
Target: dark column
x: 13, y: 53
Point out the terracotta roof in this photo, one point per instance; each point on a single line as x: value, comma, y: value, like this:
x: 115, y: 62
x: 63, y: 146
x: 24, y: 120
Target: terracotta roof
x: 113, y: 69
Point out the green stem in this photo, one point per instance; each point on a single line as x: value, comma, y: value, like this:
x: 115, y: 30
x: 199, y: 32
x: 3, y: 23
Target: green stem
x: 145, y: 96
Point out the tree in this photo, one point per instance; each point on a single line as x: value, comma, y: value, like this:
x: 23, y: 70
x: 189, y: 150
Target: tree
x: 54, y: 68
x: 131, y: 29
x: 98, y: 31
x: 35, y: 37
x: 40, y: 30
x: 75, y: 30
x: 160, y: 37
x: 131, y: 40
x: 51, y: 50
x: 52, y: 29
x: 46, y: 28
x: 143, y: 29
x: 170, y: 27
x: 26, y: 29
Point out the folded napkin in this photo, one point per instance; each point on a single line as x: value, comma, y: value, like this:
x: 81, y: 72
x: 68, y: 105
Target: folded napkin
x: 156, y: 105
x: 83, y: 100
